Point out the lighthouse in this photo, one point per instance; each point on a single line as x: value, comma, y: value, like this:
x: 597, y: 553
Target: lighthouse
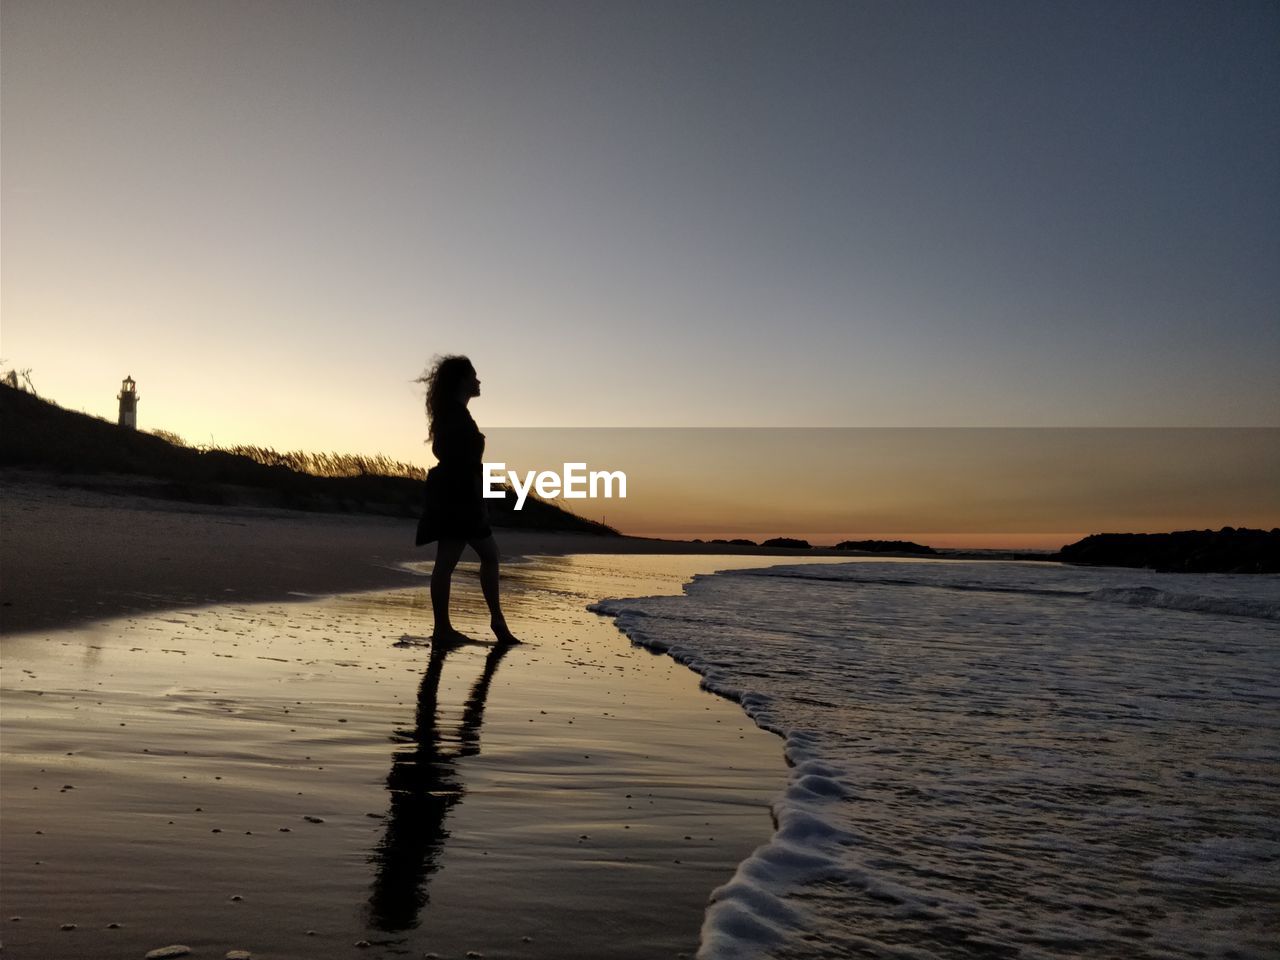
x: 128, y: 404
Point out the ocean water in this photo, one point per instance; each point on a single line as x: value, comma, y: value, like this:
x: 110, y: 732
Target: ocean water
x: 996, y: 759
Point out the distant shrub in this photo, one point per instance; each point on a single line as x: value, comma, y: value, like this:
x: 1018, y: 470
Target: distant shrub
x: 329, y: 464
x: 315, y: 464
x: 168, y: 436
x: 884, y: 546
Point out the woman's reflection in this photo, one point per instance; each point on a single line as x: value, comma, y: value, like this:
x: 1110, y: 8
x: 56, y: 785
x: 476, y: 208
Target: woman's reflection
x: 424, y: 785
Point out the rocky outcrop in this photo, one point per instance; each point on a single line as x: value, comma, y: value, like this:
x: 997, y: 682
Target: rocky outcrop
x: 1229, y: 550
x: 885, y: 546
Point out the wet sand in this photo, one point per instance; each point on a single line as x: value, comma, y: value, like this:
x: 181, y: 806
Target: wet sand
x: 297, y: 780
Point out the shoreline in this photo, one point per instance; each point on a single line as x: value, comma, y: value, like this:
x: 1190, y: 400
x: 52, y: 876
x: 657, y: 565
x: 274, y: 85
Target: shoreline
x: 218, y: 777
x: 272, y: 770
x: 71, y: 556
x: 190, y: 691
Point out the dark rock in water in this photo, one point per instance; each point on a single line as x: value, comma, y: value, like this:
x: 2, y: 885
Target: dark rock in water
x: 885, y: 546
x: 742, y: 542
x: 786, y: 542
x: 1229, y: 550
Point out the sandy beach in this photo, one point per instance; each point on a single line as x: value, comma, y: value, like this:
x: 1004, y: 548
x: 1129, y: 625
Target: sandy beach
x: 216, y: 742
x: 73, y: 555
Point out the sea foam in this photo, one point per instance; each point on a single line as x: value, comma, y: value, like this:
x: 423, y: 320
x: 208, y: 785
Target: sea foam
x: 996, y: 759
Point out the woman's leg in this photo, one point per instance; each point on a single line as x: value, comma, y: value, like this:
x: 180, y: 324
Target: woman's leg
x: 447, y: 554
x: 488, y: 550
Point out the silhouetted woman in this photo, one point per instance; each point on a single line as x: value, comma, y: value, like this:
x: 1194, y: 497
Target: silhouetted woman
x: 455, y: 512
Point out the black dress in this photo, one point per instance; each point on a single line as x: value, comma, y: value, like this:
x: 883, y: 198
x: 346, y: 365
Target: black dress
x: 455, y: 507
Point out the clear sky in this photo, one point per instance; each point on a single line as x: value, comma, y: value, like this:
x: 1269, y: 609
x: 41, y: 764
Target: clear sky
x: 272, y: 214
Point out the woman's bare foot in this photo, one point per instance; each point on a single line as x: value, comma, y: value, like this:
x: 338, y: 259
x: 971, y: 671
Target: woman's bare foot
x: 448, y: 636
x: 503, y: 632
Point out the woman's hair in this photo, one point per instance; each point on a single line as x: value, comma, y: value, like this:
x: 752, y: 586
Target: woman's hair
x: 443, y: 379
